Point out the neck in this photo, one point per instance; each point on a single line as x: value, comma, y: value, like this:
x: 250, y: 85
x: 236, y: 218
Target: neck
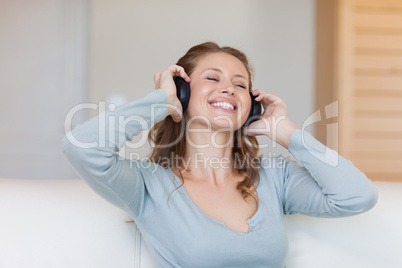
x: 208, y: 155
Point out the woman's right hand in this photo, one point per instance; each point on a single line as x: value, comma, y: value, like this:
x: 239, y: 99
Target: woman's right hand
x: 164, y: 80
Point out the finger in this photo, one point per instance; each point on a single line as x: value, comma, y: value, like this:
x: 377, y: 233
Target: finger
x: 267, y: 96
x: 184, y: 75
x: 259, y: 92
x: 178, y: 70
x: 177, y: 119
x: 156, y: 79
x: 249, y: 132
x: 176, y: 116
x: 156, y: 76
x: 259, y: 96
x: 256, y: 92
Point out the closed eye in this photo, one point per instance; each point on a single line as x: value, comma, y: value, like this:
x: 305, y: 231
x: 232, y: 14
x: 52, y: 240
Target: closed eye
x: 212, y: 79
x: 241, y: 86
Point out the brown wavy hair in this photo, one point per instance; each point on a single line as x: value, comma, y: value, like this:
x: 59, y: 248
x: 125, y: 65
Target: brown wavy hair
x: 164, y: 134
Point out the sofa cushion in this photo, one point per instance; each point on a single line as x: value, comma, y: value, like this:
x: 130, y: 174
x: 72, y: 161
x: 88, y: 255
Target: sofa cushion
x: 63, y: 223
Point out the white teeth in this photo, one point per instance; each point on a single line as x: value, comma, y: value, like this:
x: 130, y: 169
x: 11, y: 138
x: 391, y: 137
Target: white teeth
x: 224, y: 105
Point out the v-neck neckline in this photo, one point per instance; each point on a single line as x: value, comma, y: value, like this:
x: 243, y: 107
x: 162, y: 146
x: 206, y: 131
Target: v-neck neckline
x: 250, y: 221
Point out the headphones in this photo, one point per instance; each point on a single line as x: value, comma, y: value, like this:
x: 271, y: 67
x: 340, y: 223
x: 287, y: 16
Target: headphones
x: 184, y: 92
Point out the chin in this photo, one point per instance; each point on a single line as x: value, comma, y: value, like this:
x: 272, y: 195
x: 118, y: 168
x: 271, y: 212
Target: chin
x: 224, y: 127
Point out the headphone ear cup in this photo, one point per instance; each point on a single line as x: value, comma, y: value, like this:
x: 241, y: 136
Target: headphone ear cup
x: 183, y: 91
x: 255, y: 111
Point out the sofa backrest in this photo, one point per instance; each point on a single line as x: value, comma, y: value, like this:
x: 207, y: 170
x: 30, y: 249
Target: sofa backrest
x: 63, y: 223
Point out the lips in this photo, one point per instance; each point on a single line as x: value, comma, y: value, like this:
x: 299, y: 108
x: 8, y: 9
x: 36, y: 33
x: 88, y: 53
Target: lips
x: 224, y: 100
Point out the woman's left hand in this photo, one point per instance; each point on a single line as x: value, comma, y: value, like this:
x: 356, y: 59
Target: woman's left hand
x: 274, y: 122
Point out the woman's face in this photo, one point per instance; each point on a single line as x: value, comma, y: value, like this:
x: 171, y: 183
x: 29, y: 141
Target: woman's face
x: 219, y: 92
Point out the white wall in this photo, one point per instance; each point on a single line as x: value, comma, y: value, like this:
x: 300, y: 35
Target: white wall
x: 44, y: 46
x: 132, y: 40
x: 43, y: 74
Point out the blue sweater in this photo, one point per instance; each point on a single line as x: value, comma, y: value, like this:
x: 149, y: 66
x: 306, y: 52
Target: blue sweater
x: 180, y: 234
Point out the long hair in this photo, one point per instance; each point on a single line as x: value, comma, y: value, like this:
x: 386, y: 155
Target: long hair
x: 169, y: 139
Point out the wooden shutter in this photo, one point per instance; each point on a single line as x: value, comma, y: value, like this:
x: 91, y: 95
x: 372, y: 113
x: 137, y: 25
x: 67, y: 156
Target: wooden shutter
x: 367, y: 81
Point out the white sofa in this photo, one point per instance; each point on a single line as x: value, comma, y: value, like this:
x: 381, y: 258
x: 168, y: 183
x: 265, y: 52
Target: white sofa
x: 63, y: 223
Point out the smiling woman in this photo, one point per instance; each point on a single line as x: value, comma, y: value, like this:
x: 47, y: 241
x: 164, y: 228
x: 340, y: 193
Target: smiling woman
x: 206, y: 198
x: 220, y: 79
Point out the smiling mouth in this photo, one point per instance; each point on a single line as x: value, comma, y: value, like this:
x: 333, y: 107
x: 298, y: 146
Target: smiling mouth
x: 224, y: 105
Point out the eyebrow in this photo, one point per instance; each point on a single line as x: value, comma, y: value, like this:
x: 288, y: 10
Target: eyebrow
x: 218, y: 70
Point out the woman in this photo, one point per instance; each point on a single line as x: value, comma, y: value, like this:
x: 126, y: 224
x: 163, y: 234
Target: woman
x: 207, y: 199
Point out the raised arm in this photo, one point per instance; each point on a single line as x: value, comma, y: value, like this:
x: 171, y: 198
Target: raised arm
x: 324, y: 183
x: 92, y: 148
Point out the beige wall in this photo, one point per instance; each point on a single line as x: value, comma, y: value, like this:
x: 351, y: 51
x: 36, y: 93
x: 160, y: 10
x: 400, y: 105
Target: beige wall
x: 44, y: 61
x: 132, y: 40
x: 43, y: 67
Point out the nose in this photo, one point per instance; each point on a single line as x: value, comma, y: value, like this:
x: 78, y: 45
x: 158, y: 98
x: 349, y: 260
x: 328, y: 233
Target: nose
x: 227, y: 89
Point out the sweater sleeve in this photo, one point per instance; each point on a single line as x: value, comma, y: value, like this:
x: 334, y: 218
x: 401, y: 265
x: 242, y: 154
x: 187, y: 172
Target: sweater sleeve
x: 325, y: 184
x: 92, y: 149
